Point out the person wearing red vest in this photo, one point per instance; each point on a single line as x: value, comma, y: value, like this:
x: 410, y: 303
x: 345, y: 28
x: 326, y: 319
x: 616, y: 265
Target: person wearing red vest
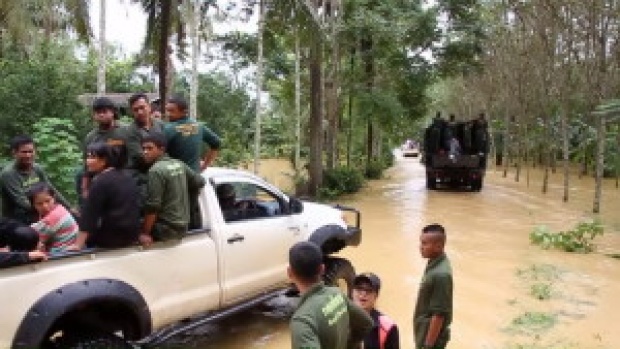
x: 384, y: 334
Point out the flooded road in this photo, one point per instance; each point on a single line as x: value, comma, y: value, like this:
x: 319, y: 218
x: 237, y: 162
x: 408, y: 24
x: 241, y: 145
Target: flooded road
x: 508, y: 294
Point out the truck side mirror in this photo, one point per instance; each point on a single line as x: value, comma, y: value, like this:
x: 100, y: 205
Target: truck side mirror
x: 295, y: 206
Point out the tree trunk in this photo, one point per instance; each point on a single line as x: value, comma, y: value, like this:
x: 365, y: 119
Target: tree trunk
x: 297, y: 101
x: 600, y: 162
x: 259, y: 87
x: 369, y: 70
x: 316, y: 117
x: 350, y: 106
x: 370, y: 136
x: 101, y: 70
x: 617, y: 164
x: 164, y: 50
x: 506, y: 152
x: 332, y: 93
x: 192, y: 11
x: 332, y: 129
x: 565, y: 153
x: 518, y: 157
x: 546, y: 152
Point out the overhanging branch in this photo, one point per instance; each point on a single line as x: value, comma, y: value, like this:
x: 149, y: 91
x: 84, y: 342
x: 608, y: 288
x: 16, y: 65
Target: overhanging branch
x: 313, y: 13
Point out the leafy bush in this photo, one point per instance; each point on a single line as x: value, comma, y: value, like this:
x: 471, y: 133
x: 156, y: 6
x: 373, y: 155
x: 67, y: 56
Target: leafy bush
x: 374, y: 170
x: 387, y: 157
x: 327, y: 194
x: 58, y: 153
x: 579, y: 239
x: 342, y: 180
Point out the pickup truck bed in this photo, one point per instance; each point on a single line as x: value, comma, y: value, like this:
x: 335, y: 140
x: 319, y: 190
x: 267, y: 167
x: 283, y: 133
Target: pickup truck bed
x: 135, y: 294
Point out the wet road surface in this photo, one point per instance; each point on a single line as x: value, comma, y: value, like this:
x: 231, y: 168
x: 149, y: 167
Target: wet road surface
x: 499, y: 277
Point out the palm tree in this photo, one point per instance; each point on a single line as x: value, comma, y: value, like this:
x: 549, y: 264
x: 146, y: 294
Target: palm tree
x: 20, y: 19
x: 165, y: 21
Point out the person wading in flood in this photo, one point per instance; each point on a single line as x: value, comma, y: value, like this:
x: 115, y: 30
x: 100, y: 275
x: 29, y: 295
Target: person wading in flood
x: 384, y: 333
x: 433, y: 310
x: 325, y: 317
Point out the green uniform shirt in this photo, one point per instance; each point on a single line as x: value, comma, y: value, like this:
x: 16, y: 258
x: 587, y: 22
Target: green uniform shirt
x: 114, y: 136
x: 168, y: 190
x: 13, y: 186
x: 135, y: 135
x: 434, y: 298
x: 185, y: 139
x: 327, y: 319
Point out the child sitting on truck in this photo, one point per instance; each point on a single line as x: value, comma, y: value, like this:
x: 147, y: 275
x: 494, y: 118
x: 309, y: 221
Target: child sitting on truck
x: 56, y: 226
x: 18, y: 243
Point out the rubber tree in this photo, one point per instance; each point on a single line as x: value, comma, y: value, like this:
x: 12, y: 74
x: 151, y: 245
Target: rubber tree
x: 102, y: 49
x: 191, y: 14
x: 259, y: 86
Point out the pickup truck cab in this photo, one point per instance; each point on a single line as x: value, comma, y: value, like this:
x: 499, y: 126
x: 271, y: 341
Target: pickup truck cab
x: 110, y: 298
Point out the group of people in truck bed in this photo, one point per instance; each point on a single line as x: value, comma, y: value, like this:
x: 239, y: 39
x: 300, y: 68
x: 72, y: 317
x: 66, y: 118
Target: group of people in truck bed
x: 138, y: 183
x: 457, y: 137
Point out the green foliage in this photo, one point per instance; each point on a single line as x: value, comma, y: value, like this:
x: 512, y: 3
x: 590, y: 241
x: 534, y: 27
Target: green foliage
x: 541, y: 291
x: 47, y: 82
x: 58, y: 153
x: 579, y: 239
x: 328, y: 194
x: 342, y: 180
x: 533, y: 323
x: 374, y: 169
x: 36, y: 88
x: 539, y: 272
x: 232, y: 154
x: 541, y: 278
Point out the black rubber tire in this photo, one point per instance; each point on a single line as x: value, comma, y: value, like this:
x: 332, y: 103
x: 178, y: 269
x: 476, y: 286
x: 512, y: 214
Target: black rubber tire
x: 339, y: 272
x: 476, y: 184
x: 431, y: 183
x: 95, y: 341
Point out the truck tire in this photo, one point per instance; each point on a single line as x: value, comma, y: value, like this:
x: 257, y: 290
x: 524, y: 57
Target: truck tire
x: 476, y: 184
x: 431, y: 183
x: 95, y: 341
x: 340, y: 273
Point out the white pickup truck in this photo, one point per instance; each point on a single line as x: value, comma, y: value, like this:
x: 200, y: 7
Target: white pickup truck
x: 133, y: 296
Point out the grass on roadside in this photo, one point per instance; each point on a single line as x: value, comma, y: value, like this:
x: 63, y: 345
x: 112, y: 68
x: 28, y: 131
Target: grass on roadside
x: 541, y: 278
x: 532, y: 323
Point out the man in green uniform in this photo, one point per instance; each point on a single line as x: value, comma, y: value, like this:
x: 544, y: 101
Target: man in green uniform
x: 186, y: 137
x: 143, y: 125
x: 325, y: 317
x: 170, y: 183
x: 108, y: 131
x: 17, y: 177
x: 433, y: 311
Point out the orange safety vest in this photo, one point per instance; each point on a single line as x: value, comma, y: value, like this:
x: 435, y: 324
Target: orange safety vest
x: 385, y: 325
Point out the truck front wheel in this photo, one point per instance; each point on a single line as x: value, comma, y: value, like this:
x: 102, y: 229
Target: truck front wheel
x: 340, y: 273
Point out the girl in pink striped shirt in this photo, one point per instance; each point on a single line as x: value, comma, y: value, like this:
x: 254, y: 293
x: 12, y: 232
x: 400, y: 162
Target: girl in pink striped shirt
x: 56, y: 226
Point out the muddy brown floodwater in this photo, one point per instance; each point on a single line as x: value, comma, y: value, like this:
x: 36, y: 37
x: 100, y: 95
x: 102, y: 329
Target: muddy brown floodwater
x: 508, y: 294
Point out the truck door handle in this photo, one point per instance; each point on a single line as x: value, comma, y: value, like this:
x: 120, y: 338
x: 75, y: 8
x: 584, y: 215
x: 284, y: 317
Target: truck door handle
x: 294, y: 229
x: 235, y: 238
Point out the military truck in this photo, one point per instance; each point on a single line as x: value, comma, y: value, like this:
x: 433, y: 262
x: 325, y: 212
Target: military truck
x: 455, y: 153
